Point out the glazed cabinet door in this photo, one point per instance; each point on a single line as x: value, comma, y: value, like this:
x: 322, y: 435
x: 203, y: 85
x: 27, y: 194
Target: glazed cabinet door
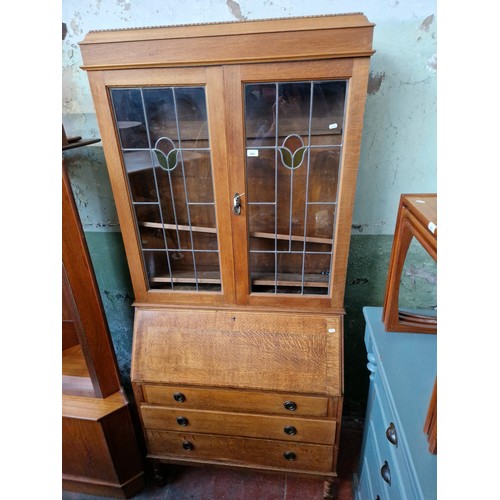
x: 293, y: 141
x: 235, y: 184
x: 166, y: 154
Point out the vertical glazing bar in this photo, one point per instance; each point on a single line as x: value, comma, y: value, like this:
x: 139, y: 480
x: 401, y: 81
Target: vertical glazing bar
x: 276, y: 193
x: 172, y: 198
x: 290, y: 218
x: 185, y: 189
x: 291, y: 212
x: 307, y: 186
x: 157, y: 190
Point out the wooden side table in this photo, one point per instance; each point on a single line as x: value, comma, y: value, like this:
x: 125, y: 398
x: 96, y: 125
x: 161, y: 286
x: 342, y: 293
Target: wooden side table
x: 417, y: 217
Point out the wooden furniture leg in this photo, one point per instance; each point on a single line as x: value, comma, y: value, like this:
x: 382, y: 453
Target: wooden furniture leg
x: 329, y: 492
x: 159, y: 473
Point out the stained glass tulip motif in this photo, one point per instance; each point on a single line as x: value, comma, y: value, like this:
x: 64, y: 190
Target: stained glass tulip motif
x: 166, y: 153
x: 292, y: 151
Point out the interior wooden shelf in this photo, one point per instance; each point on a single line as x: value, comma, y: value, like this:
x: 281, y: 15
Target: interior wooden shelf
x: 257, y: 234
x: 76, y: 379
x: 268, y: 279
x: 73, y: 362
x: 204, y: 277
x: 291, y: 279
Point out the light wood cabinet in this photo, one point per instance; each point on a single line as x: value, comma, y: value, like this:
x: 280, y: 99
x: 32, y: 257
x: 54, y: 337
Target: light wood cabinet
x: 232, y: 150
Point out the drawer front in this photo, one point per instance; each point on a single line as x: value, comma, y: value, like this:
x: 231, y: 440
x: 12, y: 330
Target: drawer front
x: 388, y: 452
x: 240, y: 424
x: 385, y: 423
x: 265, y: 351
x: 382, y: 474
x: 242, y: 451
x: 253, y: 402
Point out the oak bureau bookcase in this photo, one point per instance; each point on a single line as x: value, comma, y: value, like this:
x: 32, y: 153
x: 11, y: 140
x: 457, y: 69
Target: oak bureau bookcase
x: 232, y: 150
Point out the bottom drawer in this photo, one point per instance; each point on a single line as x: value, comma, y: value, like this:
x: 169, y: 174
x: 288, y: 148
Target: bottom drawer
x: 243, y: 451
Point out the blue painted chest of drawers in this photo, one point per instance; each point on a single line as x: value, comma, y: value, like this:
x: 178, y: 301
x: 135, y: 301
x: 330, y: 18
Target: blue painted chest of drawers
x: 395, y: 462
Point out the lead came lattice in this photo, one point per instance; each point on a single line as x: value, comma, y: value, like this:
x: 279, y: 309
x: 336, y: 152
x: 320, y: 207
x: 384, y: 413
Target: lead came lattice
x: 294, y: 142
x: 165, y: 147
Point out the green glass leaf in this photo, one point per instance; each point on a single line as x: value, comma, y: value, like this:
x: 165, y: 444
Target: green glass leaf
x: 298, y: 156
x: 172, y: 159
x: 286, y: 157
x: 162, y: 160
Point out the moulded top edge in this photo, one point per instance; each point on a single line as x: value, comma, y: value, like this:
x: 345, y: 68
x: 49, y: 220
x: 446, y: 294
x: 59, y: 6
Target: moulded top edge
x: 341, y: 21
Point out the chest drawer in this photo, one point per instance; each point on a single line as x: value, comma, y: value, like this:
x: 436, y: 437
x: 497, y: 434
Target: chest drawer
x: 234, y: 400
x: 379, y: 471
x: 385, y: 430
x: 243, y: 451
x: 240, y: 424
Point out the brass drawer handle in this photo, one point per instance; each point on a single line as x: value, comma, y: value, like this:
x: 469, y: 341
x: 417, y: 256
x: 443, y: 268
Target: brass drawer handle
x: 183, y: 421
x: 391, y: 435
x: 290, y: 430
x: 290, y: 455
x: 188, y: 446
x: 179, y: 397
x: 290, y: 405
x: 385, y: 472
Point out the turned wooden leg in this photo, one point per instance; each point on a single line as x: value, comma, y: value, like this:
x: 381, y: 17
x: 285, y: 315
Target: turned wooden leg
x: 329, y: 490
x: 159, y: 473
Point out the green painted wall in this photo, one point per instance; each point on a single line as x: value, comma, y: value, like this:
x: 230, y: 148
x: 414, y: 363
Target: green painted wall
x: 365, y: 286
x: 398, y: 153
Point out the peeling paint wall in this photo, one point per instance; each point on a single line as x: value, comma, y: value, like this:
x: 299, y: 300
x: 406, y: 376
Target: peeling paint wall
x: 399, y: 142
x: 398, y: 153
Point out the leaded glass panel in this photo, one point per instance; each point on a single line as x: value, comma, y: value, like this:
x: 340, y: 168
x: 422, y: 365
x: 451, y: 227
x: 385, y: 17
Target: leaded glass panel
x: 294, y: 136
x: 166, y: 152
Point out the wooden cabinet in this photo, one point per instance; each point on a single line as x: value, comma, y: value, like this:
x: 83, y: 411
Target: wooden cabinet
x: 232, y: 150
x: 395, y: 460
x: 100, y: 454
